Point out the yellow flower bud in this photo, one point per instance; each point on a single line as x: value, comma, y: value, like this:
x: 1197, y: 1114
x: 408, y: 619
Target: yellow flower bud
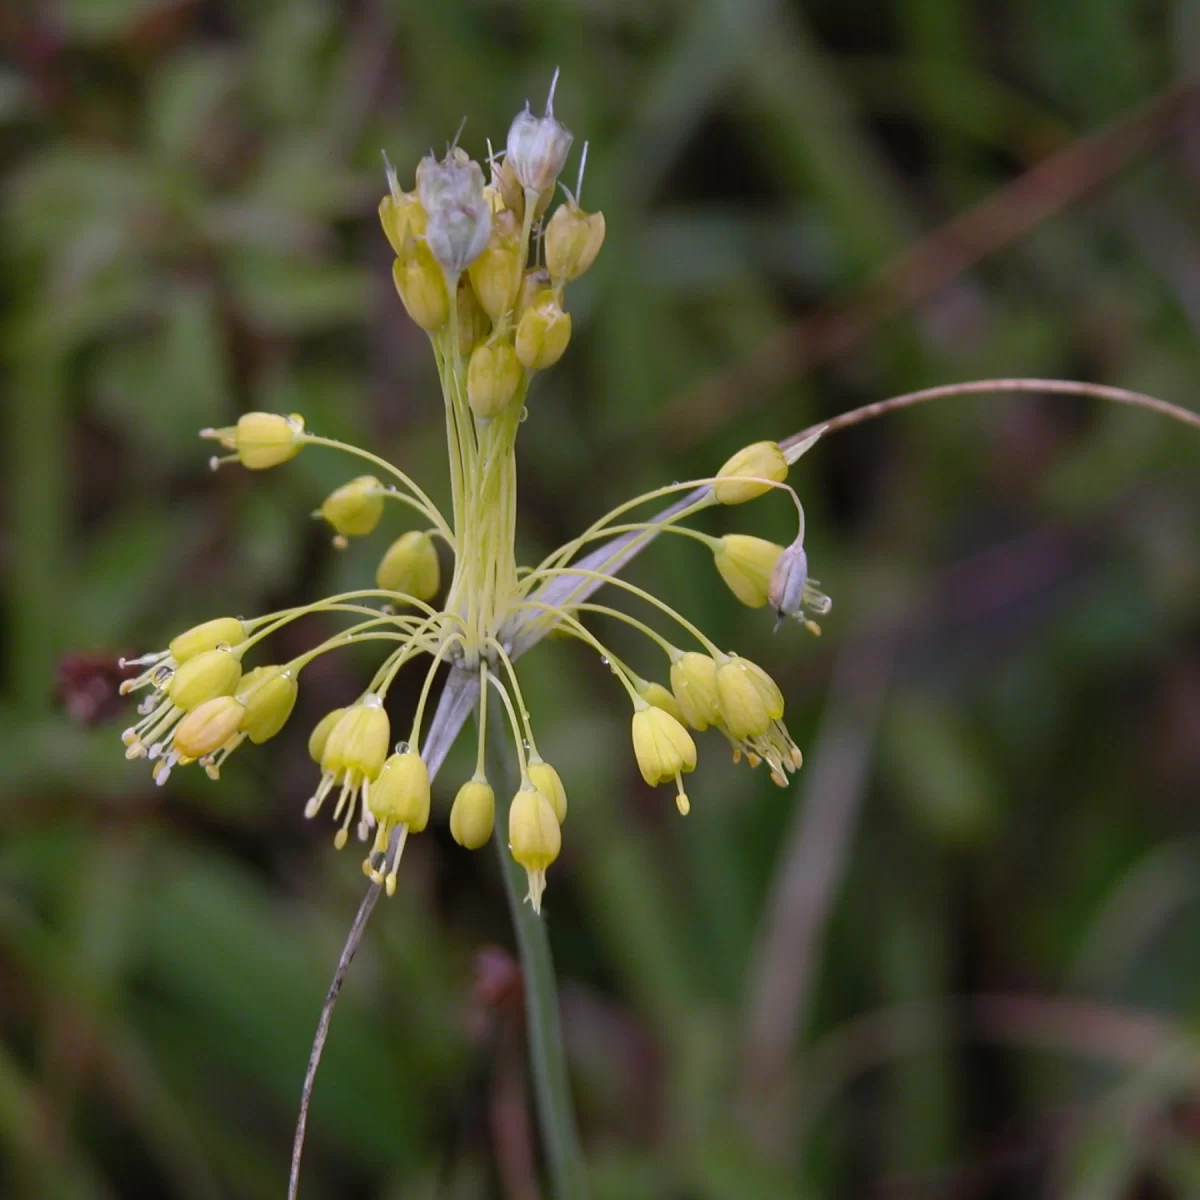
x: 746, y: 563
x: 660, y: 697
x: 212, y: 673
x: 493, y: 377
x: 473, y: 323
x: 402, y: 217
x: 264, y: 440
x: 473, y: 814
x: 321, y: 732
x: 534, y: 282
x: 358, y: 743
x: 208, y: 727
x: 221, y: 631
x: 534, y: 838
x: 410, y: 566
x: 543, y: 333
x: 547, y: 781
x: 663, y: 748
x: 496, y: 273
x: 354, y: 509
x: 422, y: 287
x: 694, y: 682
x: 762, y: 460
x: 269, y: 695
x: 573, y: 239
x: 400, y: 796
x: 749, y: 698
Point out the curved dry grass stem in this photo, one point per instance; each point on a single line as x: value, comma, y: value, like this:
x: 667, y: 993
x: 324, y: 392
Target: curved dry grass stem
x: 981, y: 387
x: 339, y: 977
x: 458, y: 697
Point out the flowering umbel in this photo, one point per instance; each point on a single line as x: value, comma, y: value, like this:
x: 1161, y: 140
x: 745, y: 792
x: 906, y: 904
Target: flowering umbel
x: 469, y: 270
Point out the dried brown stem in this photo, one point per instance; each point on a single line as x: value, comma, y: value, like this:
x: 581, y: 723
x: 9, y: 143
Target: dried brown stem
x: 983, y: 387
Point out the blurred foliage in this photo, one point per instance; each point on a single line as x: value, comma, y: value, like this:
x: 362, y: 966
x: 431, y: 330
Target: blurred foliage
x: 187, y: 230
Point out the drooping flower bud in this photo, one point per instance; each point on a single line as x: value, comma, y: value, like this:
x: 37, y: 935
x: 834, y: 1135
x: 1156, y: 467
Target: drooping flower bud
x: 548, y: 781
x: 473, y: 814
x: 320, y: 734
x: 352, y: 753
x: 269, y: 695
x: 493, y: 377
x: 208, y: 727
x: 402, y: 217
x: 261, y: 440
x: 749, y: 698
x: 496, y: 273
x: 212, y: 673
x: 694, y: 682
x: 422, y: 287
x: 746, y: 563
x: 220, y: 631
x: 573, y: 239
x: 663, y: 748
x: 659, y: 696
x: 534, y: 838
x: 410, y: 566
x: 543, y: 333
x: 760, y: 461
x: 354, y: 509
x: 400, y: 796
x: 458, y: 217
x: 358, y: 743
x: 537, y: 147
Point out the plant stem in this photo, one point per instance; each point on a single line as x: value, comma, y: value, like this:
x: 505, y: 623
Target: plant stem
x: 548, y: 1060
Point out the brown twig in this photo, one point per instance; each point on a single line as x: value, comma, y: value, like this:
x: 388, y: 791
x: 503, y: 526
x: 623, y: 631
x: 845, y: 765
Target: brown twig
x: 339, y: 977
x: 923, y: 269
x: 983, y: 387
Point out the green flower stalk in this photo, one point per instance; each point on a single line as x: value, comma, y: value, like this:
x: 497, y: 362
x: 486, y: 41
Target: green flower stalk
x: 483, y: 264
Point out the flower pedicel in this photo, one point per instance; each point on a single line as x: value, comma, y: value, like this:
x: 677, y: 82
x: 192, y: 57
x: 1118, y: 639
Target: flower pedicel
x: 470, y: 246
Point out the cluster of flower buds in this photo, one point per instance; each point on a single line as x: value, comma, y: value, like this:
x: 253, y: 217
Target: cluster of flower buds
x: 481, y: 264
x: 201, y: 706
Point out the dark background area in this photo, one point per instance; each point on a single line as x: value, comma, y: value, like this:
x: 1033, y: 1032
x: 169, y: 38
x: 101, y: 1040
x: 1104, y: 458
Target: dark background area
x: 957, y: 958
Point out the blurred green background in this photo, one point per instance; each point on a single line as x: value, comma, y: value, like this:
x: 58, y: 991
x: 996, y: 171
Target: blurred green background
x: 957, y: 958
